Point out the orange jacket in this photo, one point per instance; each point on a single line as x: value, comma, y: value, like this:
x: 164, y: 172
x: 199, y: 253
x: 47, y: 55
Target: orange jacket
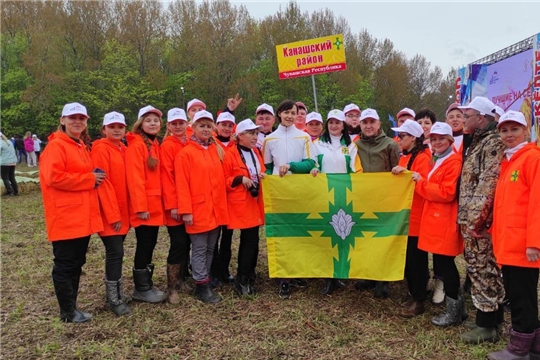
x: 421, y: 165
x: 170, y: 147
x: 516, y: 212
x: 144, y: 185
x: 112, y: 193
x: 67, y: 185
x: 440, y: 233
x: 245, y: 211
x: 200, y: 181
x: 231, y: 144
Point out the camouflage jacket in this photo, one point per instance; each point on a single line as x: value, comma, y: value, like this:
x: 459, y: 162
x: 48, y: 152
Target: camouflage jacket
x: 479, y: 178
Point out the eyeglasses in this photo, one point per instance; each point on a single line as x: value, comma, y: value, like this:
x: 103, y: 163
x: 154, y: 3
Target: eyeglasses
x: 353, y: 116
x: 402, y: 135
x: 465, y: 116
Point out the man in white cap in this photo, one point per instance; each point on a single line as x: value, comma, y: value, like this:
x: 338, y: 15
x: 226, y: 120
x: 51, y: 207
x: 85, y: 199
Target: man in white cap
x: 404, y: 115
x: 497, y: 113
x: 479, y: 177
x: 352, y: 120
x: 264, y: 116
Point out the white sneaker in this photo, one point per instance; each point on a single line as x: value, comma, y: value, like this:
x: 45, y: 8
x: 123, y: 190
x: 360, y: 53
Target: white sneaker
x: 438, y: 292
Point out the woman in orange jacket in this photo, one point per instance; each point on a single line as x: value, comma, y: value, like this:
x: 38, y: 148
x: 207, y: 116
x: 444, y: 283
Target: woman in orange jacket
x: 108, y: 154
x: 68, y: 184
x: 416, y: 157
x: 439, y: 233
x: 178, y: 258
x: 243, y: 167
x: 203, y: 204
x: 146, y: 209
x: 515, y: 229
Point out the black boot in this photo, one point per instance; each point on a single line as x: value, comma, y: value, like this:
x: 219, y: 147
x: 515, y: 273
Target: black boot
x: 453, y: 314
x: 114, y: 297
x: 205, y: 293
x: 75, y: 281
x: 66, y: 300
x: 329, y: 286
x: 364, y: 285
x: 144, y: 288
x: 242, y: 286
x: 381, y: 289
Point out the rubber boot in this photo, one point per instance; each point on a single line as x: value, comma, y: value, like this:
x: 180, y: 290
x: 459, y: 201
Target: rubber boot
x: 438, y: 292
x: 242, y: 286
x: 205, y: 293
x: 75, y: 281
x: 181, y: 284
x: 66, y: 301
x: 480, y: 334
x: 173, y: 273
x: 364, y: 285
x: 517, y: 349
x: 452, y: 316
x: 535, y: 347
x: 115, y: 301
x: 144, y: 289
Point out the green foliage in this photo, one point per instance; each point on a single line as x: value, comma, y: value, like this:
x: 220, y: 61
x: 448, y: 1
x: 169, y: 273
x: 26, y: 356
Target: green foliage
x: 124, y: 55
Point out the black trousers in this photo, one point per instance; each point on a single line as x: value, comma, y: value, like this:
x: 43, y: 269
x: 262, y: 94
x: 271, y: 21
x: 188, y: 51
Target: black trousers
x: 416, y: 267
x: 222, y: 253
x: 114, y: 256
x: 146, y: 243
x: 449, y: 272
x: 437, y: 271
x: 248, y: 252
x: 8, y: 177
x: 521, y: 286
x: 180, y: 244
x: 69, y: 257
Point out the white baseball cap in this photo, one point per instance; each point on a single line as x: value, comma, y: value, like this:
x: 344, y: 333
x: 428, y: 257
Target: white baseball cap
x: 410, y: 127
x: 351, y: 107
x: 176, y: 114
x: 265, y: 107
x: 336, y: 114
x: 74, y: 109
x: 314, y: 116
x: 481, y: 104
x: 369, y: 114
x: 203, y: 114
x: 516, y: 116
x: 114, y: 118
x: 195, y: 102
x: 499, y: 110
x: 149, y: 109
x: 225, y: 116
x: 406, y: 111
x: 246, y: 125
x: 441, y: 128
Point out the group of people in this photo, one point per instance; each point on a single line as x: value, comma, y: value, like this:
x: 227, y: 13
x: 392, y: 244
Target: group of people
x: 27, y: 147
x: 204, y: 180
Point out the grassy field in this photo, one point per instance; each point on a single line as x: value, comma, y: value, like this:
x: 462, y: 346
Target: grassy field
x: 348, y: 324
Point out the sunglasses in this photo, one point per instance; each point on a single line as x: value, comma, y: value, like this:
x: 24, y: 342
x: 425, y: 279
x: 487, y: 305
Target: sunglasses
x: 402, y: 135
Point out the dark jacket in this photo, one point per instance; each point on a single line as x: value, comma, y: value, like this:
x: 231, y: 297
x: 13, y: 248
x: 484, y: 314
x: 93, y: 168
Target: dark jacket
x: 378, y: 153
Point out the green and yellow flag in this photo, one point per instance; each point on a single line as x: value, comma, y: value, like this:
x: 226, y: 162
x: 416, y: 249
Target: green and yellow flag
x: 338, y: 225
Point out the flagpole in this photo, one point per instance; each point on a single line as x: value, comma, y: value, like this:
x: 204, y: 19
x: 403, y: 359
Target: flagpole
x: 314, y: 92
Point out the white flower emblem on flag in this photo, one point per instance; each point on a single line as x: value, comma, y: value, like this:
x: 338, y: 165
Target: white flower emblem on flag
x: 342, y: 224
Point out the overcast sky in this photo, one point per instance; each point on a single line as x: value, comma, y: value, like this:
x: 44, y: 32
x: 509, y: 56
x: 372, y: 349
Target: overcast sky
x: 447, y: 34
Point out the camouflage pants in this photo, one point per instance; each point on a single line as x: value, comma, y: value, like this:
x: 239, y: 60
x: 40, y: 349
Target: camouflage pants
x: 487, y: 289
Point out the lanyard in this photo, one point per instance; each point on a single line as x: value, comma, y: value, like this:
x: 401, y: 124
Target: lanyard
x: 239, y: 147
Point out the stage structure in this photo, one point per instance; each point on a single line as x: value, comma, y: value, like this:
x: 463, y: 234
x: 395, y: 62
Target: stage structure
x: 510, y: 78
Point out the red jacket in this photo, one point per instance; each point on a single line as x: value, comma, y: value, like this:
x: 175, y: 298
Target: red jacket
x: 144, y: 184
x: 112, y: 193
x: 440, y: 233
x: 245, y: 211
x: 421, y: 165
x: 516, y: 212
x: 67, y: 184
x: 200, y: 180
x: 170, y: 148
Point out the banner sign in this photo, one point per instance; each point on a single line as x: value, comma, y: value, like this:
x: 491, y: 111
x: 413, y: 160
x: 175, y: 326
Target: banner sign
x: 509, y: 83
x: 535, y: 108
x: 311, y: 57
x: 337, y: 225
